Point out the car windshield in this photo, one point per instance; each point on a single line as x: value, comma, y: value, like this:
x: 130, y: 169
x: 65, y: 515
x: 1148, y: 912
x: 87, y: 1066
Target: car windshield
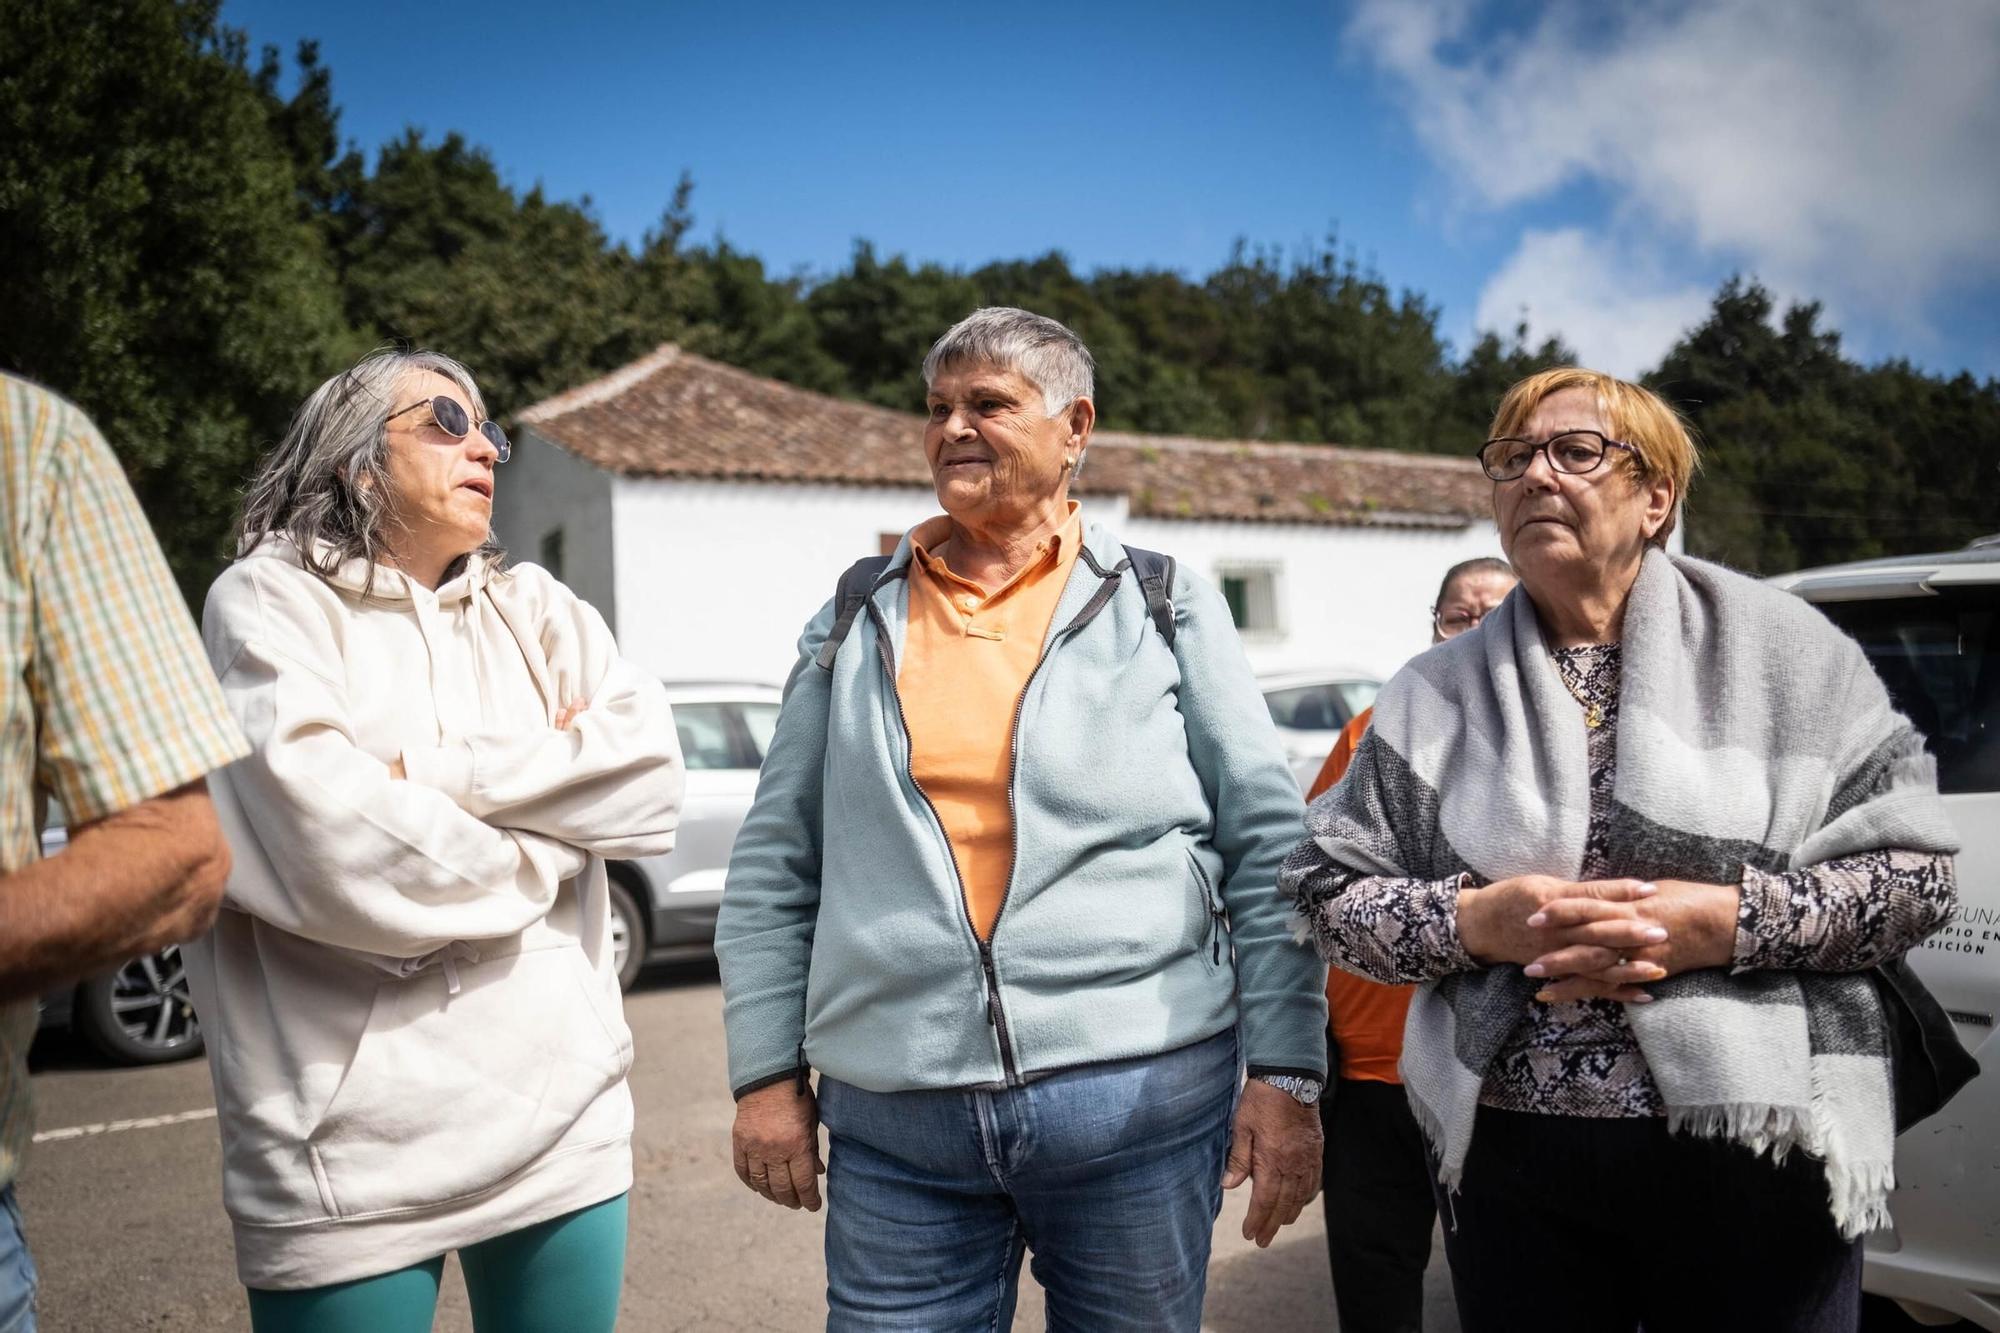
x: 704, y: 733
x: 1940, y: 658
x: 1326, y: 706
x: 762, y: 722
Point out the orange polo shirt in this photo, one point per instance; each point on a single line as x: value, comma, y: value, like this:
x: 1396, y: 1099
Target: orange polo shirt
x: 1366, y: 1016
x: 967, y: 655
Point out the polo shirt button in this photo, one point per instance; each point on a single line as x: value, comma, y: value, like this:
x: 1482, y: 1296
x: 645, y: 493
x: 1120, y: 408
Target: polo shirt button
x: 968, y: 603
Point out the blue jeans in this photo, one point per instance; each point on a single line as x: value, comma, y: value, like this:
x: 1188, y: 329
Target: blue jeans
x: 18, y: 1282
x: 1111, y: 1174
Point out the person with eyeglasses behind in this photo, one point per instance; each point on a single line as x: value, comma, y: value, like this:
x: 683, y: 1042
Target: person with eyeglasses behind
x: 1376, y: 1185
x: 413, y: 1015
x: 1653, y: 841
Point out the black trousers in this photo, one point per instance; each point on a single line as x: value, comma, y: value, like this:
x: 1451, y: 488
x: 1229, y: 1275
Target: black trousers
x: 1379, y: 1210
x: 1566, y: 1224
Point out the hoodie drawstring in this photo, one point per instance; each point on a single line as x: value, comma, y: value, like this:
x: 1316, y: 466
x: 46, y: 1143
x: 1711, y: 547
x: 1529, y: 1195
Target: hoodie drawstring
x: 447, y: 958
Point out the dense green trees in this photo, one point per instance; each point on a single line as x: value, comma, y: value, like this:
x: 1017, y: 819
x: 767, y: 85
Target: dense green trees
x: 186, y: 251
x: 155, y: 260
x: 1812, y: 458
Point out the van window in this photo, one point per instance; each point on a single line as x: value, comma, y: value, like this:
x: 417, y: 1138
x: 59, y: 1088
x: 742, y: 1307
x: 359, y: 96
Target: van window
x: 1940, y: 658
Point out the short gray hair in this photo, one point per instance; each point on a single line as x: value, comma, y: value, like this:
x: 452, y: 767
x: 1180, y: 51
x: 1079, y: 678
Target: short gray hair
x: 1051, y: 356
x: 309, y: 487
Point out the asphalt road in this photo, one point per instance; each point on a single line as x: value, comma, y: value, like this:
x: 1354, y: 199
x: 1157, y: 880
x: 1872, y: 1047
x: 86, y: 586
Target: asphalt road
x: 127, y: 1226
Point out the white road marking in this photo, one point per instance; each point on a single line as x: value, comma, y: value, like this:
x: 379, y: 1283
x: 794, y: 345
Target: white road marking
x: 120, y: 1126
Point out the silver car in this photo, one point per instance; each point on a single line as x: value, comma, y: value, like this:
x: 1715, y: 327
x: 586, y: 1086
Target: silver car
x: 1931, y: 626
x: 663, y: 908
x: 139, y: 1014
x: 1311, y: 708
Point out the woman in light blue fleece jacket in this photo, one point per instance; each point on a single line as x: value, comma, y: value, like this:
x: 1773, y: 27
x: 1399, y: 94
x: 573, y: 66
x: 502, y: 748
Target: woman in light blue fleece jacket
x: 1049, y: 1053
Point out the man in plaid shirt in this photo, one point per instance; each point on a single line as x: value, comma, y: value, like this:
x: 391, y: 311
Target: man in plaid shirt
x: 108, y: 704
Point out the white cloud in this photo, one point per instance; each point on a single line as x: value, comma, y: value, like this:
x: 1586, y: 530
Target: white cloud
x: 1844, y: 148
x: 1611, y: 307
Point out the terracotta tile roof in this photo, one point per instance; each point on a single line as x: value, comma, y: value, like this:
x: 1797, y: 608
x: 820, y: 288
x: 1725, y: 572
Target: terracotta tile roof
x: 1169, y: 477
x: 675, y: 414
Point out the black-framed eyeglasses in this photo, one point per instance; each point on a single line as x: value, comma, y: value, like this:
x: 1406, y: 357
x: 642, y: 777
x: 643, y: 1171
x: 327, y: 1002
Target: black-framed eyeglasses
x: 450, y: 416
x: 1575, y: 452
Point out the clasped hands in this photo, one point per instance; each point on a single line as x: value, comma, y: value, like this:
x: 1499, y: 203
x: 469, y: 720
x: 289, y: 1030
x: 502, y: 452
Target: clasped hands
x: 1599, y: 939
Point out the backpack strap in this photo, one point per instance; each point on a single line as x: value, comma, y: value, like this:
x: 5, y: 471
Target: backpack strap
x: 1156, y: 580
x: 848, y: 598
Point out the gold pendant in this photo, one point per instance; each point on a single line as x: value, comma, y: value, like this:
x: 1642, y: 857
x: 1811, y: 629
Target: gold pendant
x: 1593, y: 717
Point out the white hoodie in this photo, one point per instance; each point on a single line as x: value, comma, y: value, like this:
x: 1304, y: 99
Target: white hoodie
x: 412, y: 1019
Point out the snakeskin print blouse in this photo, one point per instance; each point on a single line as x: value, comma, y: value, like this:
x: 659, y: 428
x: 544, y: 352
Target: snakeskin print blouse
x: 1580, y: 1058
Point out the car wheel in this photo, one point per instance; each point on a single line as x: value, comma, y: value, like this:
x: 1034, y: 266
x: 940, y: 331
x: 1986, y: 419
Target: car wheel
x: 629, y: 936
x: 141, y: 1014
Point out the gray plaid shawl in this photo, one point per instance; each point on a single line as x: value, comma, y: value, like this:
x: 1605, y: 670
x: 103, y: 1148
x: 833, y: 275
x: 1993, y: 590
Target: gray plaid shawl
x: 1750, y: 731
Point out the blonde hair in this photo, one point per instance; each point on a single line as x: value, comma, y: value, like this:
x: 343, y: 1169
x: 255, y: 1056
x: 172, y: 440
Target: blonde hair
x: 1663, y: 440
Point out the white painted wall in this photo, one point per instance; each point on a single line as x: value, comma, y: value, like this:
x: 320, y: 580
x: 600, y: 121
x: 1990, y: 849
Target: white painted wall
x: 1346, y: 597
x: 716, y: 578
x: 541, y: 488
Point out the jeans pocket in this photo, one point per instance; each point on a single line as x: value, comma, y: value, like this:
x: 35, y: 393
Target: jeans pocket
x: 826, y: 1099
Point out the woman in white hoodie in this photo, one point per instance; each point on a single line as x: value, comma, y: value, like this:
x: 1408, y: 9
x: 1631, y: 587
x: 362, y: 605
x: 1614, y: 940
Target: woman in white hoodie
x: 412, y: 1015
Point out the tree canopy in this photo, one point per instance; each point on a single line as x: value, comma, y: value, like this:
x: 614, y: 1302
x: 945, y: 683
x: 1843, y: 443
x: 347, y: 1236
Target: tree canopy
x: 187, y: 251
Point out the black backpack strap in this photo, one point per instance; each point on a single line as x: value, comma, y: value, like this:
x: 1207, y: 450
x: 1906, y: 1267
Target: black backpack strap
x: 848, y: 598
x: 1156, y: 580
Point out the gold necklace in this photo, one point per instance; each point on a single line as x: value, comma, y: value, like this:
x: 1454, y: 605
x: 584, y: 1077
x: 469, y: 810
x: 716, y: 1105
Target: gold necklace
x: 1593, y: 713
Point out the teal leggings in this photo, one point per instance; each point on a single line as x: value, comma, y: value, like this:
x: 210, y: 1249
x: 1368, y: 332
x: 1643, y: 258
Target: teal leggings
x: 562, y: 1274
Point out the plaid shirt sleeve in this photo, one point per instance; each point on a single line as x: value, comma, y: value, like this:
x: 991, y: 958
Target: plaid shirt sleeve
x: 127, y: 706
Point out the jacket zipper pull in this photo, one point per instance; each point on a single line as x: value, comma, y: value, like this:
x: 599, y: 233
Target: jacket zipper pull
x: 800, y: 1085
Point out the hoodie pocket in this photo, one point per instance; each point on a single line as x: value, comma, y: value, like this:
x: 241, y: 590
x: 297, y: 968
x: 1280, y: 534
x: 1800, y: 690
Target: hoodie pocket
x: 1211, y: 935
x: 448, y: 1095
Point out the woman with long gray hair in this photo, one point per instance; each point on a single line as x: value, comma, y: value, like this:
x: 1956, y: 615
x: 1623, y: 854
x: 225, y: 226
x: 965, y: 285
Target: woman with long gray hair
x: 410, y: 996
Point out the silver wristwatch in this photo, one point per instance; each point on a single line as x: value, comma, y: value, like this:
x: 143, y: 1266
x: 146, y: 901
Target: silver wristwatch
x: 1300, y: 1088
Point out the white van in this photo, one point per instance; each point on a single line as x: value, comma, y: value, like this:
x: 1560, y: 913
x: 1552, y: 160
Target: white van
x: 1931, y: 625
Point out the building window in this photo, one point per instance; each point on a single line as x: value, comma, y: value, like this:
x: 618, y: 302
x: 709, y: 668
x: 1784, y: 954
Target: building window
x: 552, y: 552
x: 1252, y: 594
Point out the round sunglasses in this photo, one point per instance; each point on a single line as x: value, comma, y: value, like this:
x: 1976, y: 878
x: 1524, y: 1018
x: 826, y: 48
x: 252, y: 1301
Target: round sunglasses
x: 450, y: 417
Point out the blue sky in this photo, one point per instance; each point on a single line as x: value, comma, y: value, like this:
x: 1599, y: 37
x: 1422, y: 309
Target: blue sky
x: 1602, y: 174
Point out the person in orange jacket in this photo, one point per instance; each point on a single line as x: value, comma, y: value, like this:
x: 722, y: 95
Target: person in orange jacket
x: 1375, y: 1171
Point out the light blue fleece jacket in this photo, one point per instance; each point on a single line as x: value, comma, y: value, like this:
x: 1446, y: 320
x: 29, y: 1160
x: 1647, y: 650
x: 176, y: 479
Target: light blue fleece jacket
x: 1152, y: 807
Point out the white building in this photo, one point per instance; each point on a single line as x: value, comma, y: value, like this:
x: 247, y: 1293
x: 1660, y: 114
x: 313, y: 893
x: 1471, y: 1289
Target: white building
x: 707, y: 513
